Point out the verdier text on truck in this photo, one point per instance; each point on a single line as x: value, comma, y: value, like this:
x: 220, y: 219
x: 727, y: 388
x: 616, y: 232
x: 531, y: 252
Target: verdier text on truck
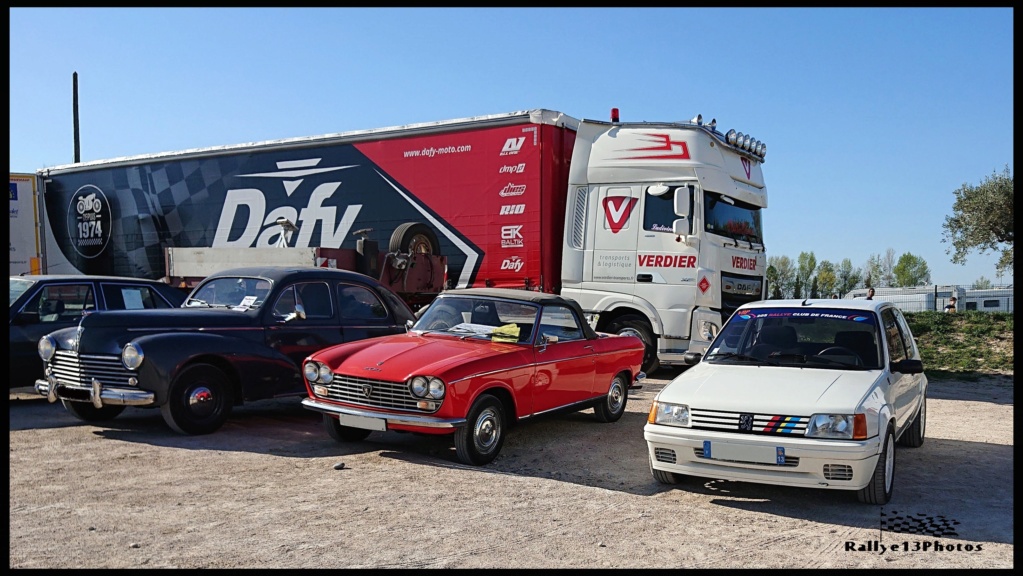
x: 653, y: 227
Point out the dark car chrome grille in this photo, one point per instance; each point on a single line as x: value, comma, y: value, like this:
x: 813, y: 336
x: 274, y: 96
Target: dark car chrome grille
x: 375, y: 393
x: 749, y: 423
x: 74, y: 370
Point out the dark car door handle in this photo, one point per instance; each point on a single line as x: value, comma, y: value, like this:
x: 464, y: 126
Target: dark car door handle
x: 644, y: 278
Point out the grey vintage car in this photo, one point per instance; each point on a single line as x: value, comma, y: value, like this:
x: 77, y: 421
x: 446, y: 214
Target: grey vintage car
x: 240, y: 336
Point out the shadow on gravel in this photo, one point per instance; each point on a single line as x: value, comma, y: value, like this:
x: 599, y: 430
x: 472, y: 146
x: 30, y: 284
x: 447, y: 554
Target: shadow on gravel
x: 961, y: 482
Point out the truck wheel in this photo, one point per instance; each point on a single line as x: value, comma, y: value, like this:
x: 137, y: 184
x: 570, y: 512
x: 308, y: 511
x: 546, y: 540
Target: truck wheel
x: 611, y: 407
x: 416, y: 238
x: 89, y: 413
x: 342, y: 434
x: 442, y: 319
x: 478, y: 442
x: 882, y: 481
x: 914, y: 435
x: 636, y: 325
x: 199, y: 401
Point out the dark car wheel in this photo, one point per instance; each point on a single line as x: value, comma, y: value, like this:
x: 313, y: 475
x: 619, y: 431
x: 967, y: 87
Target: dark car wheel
x: 914, y: 435
x: 89, y: 413
x: 612, y: 406
x: 882, y: 481
x: 636, y: 325
x: 478, y: 442
x: 199, y: 402
x: 341, y: 433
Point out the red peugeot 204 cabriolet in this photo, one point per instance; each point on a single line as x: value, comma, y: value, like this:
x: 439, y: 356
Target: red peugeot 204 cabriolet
x: 477, y: 361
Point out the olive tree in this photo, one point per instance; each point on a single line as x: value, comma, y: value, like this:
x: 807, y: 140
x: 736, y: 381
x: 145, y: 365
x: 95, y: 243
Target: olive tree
x: 981, y: 220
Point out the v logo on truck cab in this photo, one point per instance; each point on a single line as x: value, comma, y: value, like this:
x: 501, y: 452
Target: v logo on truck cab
x: 617, y: 210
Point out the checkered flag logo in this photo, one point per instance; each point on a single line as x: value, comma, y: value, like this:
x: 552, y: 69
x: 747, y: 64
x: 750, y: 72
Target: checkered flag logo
x: 918, y: 523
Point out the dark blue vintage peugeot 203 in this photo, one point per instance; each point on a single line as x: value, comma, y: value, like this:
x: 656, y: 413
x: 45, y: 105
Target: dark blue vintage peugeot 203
x: 241, y: 335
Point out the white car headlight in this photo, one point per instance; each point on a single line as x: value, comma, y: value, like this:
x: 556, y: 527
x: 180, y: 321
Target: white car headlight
x: 132, y: 356
x: 47, y: 347
x: 835, y: 426
x: 669, y: 414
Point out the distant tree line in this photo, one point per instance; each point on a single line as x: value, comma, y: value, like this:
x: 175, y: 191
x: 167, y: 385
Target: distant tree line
x: 981, y: 220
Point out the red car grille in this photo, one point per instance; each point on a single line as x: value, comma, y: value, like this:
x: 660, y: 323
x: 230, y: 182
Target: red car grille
x: 375, y: 393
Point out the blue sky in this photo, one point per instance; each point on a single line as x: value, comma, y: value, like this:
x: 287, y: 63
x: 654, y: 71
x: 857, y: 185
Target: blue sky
x: 872, y: 117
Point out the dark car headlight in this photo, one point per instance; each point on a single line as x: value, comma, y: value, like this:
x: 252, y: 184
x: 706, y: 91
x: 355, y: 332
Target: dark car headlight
x: 132, y: 356
x: 47, y: 347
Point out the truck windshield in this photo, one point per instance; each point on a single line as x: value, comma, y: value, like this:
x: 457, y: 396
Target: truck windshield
x: 732, y: 218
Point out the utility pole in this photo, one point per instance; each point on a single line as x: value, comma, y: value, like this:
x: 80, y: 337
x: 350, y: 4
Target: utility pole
x: 74, y: 89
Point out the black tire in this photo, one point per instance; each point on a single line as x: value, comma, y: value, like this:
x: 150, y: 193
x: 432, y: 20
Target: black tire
x: 612, y: 406
x: 199, y: 401
x: 87, y: 412
x: 913, y: 437
x: 479, y: 441
x: 342, y: 434
x: 637, y: 325
x: 414, y: 237
x: 663, y: 476
x: 882, y: 480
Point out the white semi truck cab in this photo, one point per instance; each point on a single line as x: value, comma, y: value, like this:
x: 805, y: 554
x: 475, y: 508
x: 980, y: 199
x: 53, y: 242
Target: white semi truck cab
x: 663, y: 232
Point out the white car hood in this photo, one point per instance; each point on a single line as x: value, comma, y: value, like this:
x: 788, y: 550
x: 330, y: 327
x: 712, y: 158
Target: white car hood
x: 770, y: 389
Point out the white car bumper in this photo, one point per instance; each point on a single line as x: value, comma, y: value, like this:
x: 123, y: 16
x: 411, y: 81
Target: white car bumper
x: 765, y: 459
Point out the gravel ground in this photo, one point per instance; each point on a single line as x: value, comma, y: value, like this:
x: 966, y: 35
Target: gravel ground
x: 266, y: 491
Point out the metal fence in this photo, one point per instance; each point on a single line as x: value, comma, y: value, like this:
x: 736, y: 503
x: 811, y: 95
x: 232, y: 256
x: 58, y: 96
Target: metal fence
x: 936, y: 297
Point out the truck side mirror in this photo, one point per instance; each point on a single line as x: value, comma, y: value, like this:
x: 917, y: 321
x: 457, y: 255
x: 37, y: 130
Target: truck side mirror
x: 683, y: 205
x: 692, y: 358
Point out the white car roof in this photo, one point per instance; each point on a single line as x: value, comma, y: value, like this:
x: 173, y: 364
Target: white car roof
x: 842, y: 303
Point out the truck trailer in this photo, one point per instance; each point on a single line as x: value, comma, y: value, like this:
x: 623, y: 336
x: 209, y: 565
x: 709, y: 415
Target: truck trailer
x: 653, y: 227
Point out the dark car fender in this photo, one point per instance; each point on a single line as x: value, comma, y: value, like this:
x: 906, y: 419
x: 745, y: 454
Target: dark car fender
x: 257, y: 372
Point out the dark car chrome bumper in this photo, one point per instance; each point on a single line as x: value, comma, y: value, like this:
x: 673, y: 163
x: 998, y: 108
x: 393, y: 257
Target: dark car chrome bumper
x: 97, y: 394
x: 390, y: 418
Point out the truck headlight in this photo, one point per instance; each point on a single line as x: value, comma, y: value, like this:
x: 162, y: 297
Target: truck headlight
x: 132, y: 356
x: 837, y: 426
x: 47, y: 347
x: 708, y: 330
x: 669, y: 414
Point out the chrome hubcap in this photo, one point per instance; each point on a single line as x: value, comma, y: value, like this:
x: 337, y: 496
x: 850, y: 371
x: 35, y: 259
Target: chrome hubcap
x: 201, y: 402
x: 487, y: 430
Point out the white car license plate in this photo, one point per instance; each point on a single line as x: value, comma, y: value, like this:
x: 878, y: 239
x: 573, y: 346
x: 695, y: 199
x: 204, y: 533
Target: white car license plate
x: 364, y: 422
x: 744, y: 453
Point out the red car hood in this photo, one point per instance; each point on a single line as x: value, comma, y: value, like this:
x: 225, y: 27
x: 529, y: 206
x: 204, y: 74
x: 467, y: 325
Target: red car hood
x: 396, y: 358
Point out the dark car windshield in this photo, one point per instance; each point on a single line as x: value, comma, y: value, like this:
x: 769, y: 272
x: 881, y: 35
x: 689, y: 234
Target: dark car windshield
x: 18, y: 287
x: 236, y: 292
x: 489, y: 318
x: 830, y: 338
